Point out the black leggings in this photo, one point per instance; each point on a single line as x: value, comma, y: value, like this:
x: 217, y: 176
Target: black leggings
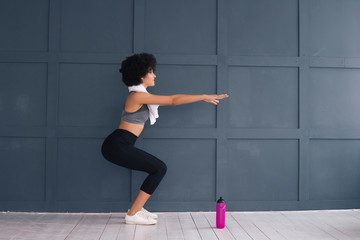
x: 119, y: 149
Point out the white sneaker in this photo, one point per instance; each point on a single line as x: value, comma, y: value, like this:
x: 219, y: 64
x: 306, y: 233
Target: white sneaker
x: 149, y: 214
x: 139, y: 218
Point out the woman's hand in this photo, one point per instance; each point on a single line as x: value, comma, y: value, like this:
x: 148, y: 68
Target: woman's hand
x: 214, y: 98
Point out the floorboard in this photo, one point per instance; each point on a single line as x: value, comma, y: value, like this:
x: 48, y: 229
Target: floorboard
x: 278, y: 225
x: 188, y: 226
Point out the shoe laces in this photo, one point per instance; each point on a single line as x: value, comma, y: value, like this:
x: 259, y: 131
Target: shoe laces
x: 143, y: 214
x: 144, y: 210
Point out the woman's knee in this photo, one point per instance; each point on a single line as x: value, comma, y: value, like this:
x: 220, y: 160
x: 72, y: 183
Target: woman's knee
x: 162, y: 168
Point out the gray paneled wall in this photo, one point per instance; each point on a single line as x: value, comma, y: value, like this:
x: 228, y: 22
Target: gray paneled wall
x: 287, y: 138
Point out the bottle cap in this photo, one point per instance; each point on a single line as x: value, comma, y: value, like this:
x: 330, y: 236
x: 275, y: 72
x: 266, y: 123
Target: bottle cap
x: 221, y: 200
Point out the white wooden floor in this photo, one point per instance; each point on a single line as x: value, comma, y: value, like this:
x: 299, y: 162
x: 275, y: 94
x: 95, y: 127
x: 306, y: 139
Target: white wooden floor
x: 304, y: 225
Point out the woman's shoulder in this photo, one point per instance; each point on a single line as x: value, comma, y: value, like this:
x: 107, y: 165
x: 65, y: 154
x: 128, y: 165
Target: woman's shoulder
x: 131, y: 104
x: 137, y: 95
x: 133, y: 93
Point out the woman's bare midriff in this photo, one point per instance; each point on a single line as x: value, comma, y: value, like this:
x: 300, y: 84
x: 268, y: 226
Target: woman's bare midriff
x: 131, y: 127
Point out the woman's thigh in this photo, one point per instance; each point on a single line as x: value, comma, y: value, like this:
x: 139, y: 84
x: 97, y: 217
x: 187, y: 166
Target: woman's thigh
x: 137, y: 159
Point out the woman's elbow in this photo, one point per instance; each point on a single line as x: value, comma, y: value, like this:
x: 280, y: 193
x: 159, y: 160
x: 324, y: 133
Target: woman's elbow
x: 174, y: 101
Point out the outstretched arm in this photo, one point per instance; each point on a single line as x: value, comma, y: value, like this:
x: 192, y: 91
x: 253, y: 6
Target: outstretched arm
x: 184, y: 99
x: 177, y: 99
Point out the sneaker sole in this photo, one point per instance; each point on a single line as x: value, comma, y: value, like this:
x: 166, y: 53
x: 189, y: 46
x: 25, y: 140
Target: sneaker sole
x: 137, y: 223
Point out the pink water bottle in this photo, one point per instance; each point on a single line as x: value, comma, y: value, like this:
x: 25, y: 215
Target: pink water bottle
x: 220, y: 213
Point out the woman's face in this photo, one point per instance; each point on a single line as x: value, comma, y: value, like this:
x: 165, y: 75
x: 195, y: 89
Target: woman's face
x: 149, y: 79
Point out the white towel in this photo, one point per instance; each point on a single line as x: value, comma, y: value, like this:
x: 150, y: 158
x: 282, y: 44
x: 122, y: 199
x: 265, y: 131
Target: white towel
x: 153, y: 109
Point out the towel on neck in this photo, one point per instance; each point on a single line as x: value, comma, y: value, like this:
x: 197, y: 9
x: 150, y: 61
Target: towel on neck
x: 153, y: 109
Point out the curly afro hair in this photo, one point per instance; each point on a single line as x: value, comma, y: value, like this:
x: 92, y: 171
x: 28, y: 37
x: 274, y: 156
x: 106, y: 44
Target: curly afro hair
x: 135, y: 67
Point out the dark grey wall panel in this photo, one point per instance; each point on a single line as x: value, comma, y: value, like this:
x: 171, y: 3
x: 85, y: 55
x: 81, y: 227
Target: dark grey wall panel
x: 83, y: 174
x: 80, y: 90
x: 263, y: 97
x: 286, y: 139
x: 97, y: 26
x: 23, y: 94
x: 263, y: 28
x: 334, y: 28
x: 191, y: 169
x: 262, y: 170
x: 334, y: 169
x: 24, y: 25
x: 185, y: 79
x: 167, y: 28
x: 22, y: 164
x: 335, y: 98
